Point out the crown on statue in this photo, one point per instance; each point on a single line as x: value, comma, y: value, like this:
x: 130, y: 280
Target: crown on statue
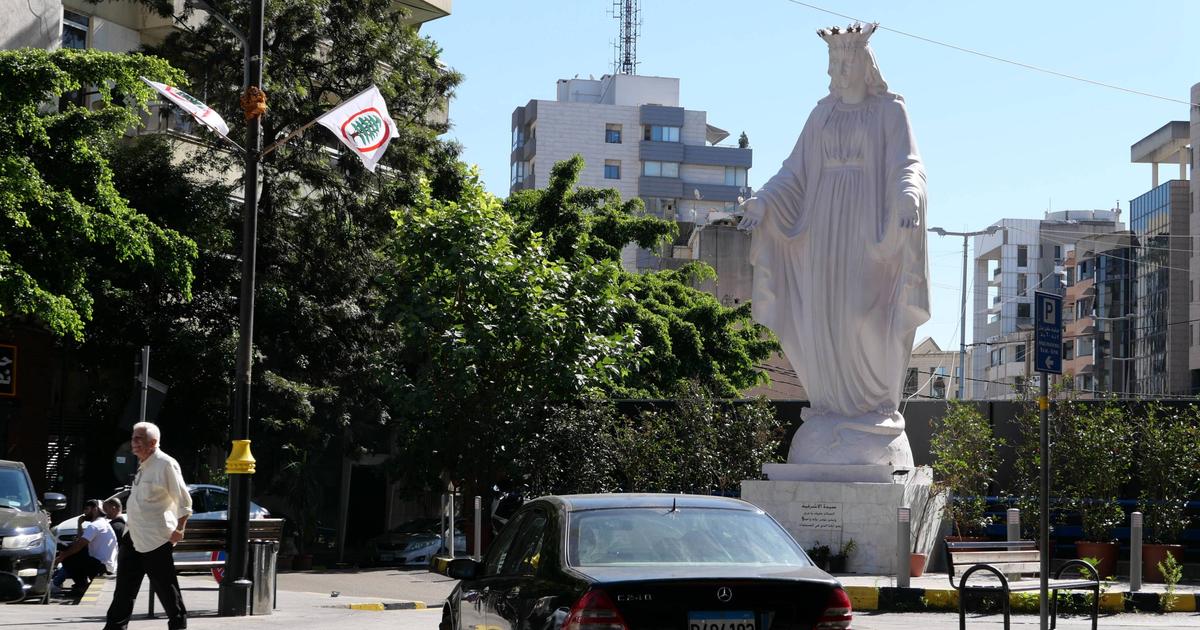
x: 852, y: 36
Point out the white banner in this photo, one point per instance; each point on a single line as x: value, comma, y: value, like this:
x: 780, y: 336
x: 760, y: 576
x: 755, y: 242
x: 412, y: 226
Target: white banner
x: 191, y: 105
x: 363, y: 124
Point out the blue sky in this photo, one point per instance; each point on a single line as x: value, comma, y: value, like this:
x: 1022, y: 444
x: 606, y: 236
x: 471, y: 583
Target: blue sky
x: 998, y: 141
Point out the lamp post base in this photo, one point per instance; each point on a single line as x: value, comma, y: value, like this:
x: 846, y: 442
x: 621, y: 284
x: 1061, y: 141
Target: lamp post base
x: 233, y: 598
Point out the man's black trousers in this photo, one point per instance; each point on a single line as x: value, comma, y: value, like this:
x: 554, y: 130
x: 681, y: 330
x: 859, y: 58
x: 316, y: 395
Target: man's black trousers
x: 132, y: 566
x: 82, y: 567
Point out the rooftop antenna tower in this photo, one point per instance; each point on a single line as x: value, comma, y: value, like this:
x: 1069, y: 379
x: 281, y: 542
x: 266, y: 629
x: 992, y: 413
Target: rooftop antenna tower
x: 629, y: 14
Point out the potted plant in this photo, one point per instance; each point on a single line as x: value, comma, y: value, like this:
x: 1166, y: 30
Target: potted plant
x: 1092, y: 455
x: 837, y: 561
x: 820, y: 555
x: 965, y: 459
x: 1169, y: 467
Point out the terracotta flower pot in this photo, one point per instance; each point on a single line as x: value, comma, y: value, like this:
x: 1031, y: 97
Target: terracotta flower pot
x: 1104, y: 552
x: 1152, y: 555
x: 916, y: 564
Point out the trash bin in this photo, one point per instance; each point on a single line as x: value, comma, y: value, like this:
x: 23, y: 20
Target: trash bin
x: 262, y: 571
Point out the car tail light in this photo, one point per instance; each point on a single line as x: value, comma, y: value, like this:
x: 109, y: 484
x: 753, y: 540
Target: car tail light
x: 837, y: 615
x: 595, y: 611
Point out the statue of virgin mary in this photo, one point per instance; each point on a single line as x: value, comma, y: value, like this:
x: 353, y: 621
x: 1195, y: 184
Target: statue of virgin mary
x: 840, y: 271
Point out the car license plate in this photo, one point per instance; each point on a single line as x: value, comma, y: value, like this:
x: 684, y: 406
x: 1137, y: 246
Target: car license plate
x: 721, y: 620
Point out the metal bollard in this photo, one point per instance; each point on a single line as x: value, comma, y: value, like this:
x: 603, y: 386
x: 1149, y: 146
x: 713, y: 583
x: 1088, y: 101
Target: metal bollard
x: 903, y: 534
x: 478, y: 528
x: 1014, y: 524
x: 262, y: 560
x: 1135, y: 552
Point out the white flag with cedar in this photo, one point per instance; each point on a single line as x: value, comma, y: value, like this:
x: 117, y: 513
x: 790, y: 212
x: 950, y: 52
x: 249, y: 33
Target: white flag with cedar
x: 363, y: 124
x: 191, y: 105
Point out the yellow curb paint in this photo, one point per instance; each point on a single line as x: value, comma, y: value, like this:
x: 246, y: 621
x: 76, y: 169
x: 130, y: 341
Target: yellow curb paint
x: 863, y: 597
x: 941, y: 599
x: 1183, y: 602
x: 370, y: 606
x: 93, y: 593
x: 419, y: 605
x: 1112, y: 602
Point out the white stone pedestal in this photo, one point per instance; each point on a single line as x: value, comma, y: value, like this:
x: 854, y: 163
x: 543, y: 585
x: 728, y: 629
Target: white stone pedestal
x: 834, y: 512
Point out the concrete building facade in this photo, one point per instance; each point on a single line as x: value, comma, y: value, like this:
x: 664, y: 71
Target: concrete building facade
x: 1022, y: 256
x: 636, y: 138
x: 932, y: 372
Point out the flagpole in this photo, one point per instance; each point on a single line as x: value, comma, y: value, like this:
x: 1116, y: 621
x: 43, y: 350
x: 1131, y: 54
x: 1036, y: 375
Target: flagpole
x: 277, y: 143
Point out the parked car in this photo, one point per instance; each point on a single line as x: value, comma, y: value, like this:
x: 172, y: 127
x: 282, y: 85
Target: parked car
x: 624, y: 561
x: 413, y: 543
x: 209, y: 502
x: 27, y: 543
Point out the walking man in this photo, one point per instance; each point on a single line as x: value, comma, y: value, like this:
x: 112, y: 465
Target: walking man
x: 94, y: 551
x: 158, y: 510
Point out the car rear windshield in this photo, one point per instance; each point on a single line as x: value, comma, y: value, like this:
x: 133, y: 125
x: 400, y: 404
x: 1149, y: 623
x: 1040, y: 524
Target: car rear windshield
x: 691, y: 535
x: 14, y: 490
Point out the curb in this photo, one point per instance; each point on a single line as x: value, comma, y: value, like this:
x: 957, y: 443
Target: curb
x: 377, y: 606
x: 896, y: 599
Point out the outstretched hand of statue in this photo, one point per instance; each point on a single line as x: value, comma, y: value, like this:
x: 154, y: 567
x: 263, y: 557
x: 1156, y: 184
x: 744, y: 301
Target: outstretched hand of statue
x: 752, y: 212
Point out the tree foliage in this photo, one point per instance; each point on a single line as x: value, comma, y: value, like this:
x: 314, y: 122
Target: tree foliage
x: 965, y: 459
x: 62, y: 217
x: 684, y: 335
x: 322, y: 350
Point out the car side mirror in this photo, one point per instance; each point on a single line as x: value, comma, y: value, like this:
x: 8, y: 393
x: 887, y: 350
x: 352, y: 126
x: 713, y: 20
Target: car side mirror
x: 53, y: 502
x: 464, y: 569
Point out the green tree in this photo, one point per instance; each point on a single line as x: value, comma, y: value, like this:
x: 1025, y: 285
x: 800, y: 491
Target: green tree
x: 965, y: 460
x: 491, y: 331
x: 685, y: 335
x: 62, y: 217
x: 323, y: 352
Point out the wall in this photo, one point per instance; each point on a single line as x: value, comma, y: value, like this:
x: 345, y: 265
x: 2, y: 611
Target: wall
x: 31, y: 24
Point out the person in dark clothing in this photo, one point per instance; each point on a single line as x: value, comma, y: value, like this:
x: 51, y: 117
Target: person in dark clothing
x: 112, y: 509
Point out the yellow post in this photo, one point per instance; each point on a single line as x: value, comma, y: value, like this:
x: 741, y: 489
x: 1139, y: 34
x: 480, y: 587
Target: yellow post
x: 240, y: 461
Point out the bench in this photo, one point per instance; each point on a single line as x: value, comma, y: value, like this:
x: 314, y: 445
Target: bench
x: 998, y: 567
x: 213, y: 535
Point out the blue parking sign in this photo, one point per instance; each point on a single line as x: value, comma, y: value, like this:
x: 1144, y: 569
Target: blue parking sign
x: 1047, y: 333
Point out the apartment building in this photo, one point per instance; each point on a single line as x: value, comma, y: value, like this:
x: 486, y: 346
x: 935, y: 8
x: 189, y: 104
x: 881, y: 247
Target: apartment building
x: 636, y: 138
x: 932, y: 372
x: 1022, y: 256
x: 1099, y: 319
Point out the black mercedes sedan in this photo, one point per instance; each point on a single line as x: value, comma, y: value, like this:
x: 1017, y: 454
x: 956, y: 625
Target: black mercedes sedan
x: 643, y: 562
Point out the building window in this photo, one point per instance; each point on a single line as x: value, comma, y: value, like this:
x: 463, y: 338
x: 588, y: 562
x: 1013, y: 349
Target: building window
x: 659, y: 133
x: 518, y: 173
x: 660, y: 169
x: 1023, y: 310
x: 911, y: 382
x: 735, y: 176
x: 612, y: 169
x: 1022, y: 284
x: 518, y: 138
x: 612, y: 133
x: 74, y: 30
x: 1068, y: 350
x: 998, y: 356
x: 1020, y: 355
x: 1022, y: 256
x: 1058, y: 252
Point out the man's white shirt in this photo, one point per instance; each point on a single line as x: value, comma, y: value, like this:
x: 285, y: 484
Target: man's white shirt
x: 102, y: 542
x: 158, y: 500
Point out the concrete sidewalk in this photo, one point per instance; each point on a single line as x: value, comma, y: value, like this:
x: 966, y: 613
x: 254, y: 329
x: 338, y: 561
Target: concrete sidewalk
x: 310, y: 611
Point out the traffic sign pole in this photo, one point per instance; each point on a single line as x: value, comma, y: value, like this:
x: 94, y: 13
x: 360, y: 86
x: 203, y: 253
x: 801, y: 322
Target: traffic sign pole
x: 1048, y: 360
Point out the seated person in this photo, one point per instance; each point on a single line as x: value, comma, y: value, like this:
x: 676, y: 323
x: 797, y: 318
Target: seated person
x: 94, y: 551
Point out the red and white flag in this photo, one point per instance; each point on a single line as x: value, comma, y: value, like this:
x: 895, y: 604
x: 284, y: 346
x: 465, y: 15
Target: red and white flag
x: 191, y: 105
x: 363, y: 124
